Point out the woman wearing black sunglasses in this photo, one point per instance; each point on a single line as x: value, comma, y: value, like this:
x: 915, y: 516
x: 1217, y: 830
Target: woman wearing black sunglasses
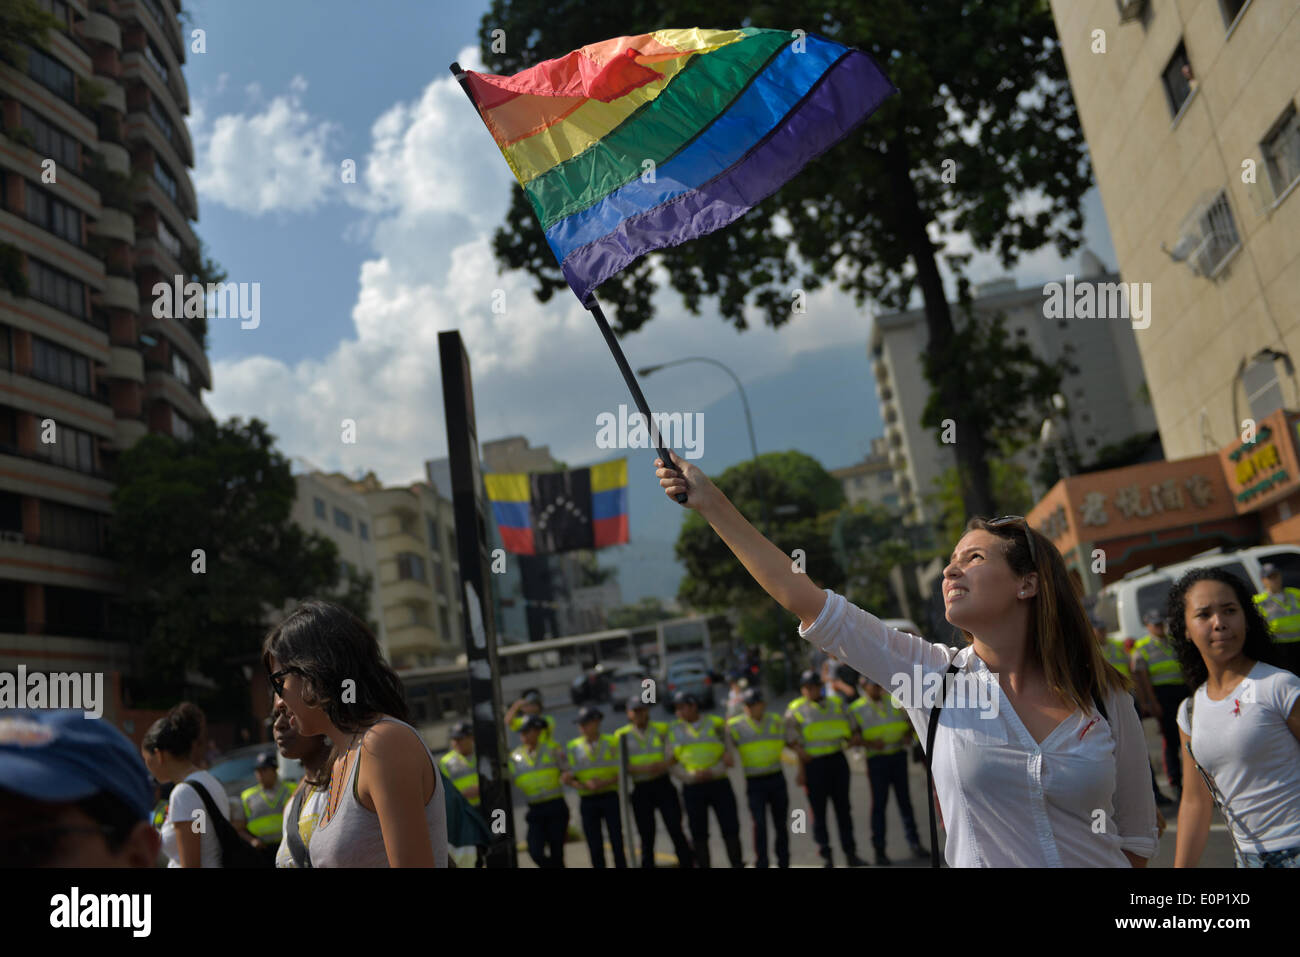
x: 1029, y: 770
x: 384, y: 806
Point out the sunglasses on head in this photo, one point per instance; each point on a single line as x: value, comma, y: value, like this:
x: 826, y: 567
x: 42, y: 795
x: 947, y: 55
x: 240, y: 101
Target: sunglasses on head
x: 1024, y: 525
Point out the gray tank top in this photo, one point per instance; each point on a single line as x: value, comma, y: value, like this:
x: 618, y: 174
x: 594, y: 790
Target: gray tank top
x: 353, y: 838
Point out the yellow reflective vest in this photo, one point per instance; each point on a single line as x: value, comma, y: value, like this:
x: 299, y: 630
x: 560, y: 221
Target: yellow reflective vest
x: 1116, y: 655
x: 697, y: 746
x: 1162, y: 663
x: 460, y: 769
x: 880, y: 721
x: 263, y: 814
x: 537, y: 775
x: 590, y: 760
x: 1283, y: 614
x: 644, y: 748
x: 823, y: 724
x: 759, y: 743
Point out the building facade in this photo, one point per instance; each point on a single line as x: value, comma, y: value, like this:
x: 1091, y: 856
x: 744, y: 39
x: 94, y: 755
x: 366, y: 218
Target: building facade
x: 871, y: 480
x: 1191, y: 119
x: 1104, y: 399
x: 96, y: 206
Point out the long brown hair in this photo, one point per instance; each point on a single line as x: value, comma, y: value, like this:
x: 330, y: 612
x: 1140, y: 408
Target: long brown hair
x: 1061, y: 639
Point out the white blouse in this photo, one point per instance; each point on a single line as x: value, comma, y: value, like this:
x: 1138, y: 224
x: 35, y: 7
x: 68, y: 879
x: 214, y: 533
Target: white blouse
x: 1077, y: 800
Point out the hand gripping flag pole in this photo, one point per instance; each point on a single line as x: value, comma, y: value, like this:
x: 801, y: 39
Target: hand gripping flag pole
x: 610, y: 339
x: 640, y: 143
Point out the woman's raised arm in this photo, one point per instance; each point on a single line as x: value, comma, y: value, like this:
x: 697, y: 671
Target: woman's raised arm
x: 770, y: 567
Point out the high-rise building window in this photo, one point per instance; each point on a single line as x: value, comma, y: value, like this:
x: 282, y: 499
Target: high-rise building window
x: 160, y: 117
x: 342, y: 519
x: 170, y: 241
x: 410, y: 566
x: 59, y: 366
x: 49, y: 140
x: 54, y: 288
x: 1179, y: 80
x: 71, y: 448
x: 156, y: 11
x: 1219, y: 236
x: 156, y: 61
x: 364, y: 531
x: 1230, y: 10
x: 1282, y: 151
x: 318, y: 505
x: 51, y: 74
x: 446, y: 628
x: 53, y: 214
x: 180, y: 367
x: 166, y: 180
x: 435, y: 544
x: 71, y: 529
x: 181, y: 427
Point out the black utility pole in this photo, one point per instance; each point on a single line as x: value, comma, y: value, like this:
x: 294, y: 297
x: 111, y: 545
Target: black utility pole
x: 476, y: 600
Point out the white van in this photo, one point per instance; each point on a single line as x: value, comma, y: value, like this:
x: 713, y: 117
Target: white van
x: 1121, y: 604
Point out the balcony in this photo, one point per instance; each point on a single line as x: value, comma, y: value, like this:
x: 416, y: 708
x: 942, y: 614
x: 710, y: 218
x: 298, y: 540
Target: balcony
x: 120, y: 293
x: 406, y: 591
x: 114, y: 95
x: 116, y: 158
x: 30, y: 474
x: 178, y: 333
x: 102, y: 29
x: 164, y: 385
x: 114, y: 224
x: 27, y: 562
x: 125, y: 363
x: 127, y: 432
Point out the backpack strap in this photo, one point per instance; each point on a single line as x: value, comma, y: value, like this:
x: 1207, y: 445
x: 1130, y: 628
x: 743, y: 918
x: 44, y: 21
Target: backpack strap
x: 1215, y: 794
x: 297, y: 849
x: 929, y: 774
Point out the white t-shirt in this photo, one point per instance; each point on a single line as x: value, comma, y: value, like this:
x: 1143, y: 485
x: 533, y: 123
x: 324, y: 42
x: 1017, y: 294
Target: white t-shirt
x: 182, y: 804
x: 313, y: 805
x: 1079, y: 799
x: 1246, y: 746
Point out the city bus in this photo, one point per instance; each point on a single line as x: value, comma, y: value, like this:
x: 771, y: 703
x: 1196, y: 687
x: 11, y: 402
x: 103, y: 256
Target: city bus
x: 438, y: 695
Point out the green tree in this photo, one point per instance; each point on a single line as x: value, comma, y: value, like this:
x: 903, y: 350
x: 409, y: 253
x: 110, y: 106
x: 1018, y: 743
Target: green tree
x: 24, y: 24
x: 868, y: 542
x: 805, y: 501
x: 208, y: 554
x: 1010, y: 492
x: 984, y: 117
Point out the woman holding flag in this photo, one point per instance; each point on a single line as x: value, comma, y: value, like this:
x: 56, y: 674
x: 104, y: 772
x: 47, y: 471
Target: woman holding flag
x: 1049, y: 769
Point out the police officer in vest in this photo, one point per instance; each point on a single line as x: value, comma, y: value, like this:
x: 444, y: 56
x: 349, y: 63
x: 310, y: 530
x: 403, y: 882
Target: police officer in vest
x: 698, y: 754
x: 881, y: 727
x: 263, y: 805
x: 817, y: 729
x: 652, y: 788
x: 1281, y: 607
x: 536, y: 769
x: 459, y: 764
x: 1160, y: 686
x: 530, y: 703
x: 760, y: 738
x: 593, y: 771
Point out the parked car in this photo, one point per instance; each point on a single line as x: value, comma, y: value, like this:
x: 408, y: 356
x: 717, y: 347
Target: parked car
x: 625, y: 681
x: 234, y: 769
x: 691, y: 676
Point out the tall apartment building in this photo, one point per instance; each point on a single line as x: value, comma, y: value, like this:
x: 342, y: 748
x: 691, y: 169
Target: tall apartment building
x: 871, y: 480
x: 1191, y: 121
x: 418, y: 574
x: 1105, y: 399
x: 327, y: 504
x: 95, y: 208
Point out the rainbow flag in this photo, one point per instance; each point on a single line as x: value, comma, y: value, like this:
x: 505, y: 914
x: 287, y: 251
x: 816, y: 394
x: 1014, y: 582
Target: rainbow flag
x: 541, y: 513
x: 641, y: 143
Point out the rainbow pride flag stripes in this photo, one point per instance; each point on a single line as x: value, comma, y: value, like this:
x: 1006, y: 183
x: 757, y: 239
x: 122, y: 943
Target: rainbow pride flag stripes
x: 641, y: 143
x: 542, y: 513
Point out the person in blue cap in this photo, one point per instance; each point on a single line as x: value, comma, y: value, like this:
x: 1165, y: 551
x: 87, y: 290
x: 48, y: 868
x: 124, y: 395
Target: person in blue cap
x: 73, y: 793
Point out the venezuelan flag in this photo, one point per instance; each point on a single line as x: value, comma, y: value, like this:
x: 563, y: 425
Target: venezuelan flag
x: 644, y: 142
x: 542, y: 513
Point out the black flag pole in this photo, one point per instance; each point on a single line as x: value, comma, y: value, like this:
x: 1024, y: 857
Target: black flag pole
x: 610, y: 339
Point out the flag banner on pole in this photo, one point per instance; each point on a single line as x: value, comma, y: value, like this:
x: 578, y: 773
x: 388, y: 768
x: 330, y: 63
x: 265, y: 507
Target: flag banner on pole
x: 641, y: 143
x: 541, y: 513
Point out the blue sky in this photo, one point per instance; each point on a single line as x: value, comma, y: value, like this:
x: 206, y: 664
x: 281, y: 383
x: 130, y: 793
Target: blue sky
x: 357, y: 279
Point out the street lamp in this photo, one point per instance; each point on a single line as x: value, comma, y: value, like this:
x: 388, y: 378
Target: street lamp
x: 749, y: 420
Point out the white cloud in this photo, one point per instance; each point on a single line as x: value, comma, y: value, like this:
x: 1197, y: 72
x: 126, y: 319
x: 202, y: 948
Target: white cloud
x: 275, y: 159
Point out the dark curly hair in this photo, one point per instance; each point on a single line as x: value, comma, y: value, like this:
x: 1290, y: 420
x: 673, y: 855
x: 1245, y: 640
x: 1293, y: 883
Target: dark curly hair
x: 1259, y: 639
x: 177, y: 731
